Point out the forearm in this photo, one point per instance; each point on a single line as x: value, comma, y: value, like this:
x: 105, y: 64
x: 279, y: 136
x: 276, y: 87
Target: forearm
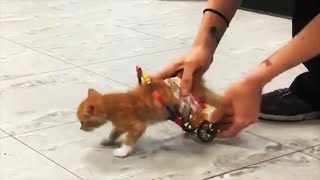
x: 212, y: 26
x: 301, y: 48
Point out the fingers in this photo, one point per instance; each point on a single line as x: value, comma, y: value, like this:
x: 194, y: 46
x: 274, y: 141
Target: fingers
x: 179, y: 73
x: 223, y: 112
x: 231, y: 131
x: 217, y: 115
x: 187, y: 79
x: 228, y: 124
x: 236, y: 126
x: 223, y: 124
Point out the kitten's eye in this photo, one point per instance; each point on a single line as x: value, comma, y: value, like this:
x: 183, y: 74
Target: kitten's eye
x: 90, y: 109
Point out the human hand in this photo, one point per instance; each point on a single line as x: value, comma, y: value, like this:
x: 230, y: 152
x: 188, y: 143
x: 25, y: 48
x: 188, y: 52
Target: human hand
x: 239, y: 108
x: 193, y: 65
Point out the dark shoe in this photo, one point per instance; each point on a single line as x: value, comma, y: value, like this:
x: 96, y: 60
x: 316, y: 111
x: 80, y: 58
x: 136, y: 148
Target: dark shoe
x: 283, y: 105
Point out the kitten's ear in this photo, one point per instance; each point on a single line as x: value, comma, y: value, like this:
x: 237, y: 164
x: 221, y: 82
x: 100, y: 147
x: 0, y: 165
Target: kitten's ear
x: 92, y: 92
x: 90, y: 109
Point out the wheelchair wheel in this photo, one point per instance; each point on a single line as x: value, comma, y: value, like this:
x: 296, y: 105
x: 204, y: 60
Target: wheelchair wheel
x: 187, y: 127
x: 206, y: 131
x: 186, y: 120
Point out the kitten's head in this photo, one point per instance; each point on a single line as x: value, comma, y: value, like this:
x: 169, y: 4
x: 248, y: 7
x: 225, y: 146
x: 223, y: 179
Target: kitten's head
x: 91, y: 112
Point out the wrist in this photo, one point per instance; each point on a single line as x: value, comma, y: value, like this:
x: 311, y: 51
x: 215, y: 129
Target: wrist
x: 262, y: 75
x: 204, y: 47
x: 253, y: 81
x: 199, y: 51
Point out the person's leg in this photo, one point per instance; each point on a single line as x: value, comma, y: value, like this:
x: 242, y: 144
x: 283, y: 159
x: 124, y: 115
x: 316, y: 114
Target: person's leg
x: 301, y: 100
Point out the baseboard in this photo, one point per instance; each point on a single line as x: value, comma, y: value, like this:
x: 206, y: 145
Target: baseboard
x: 282, y: 8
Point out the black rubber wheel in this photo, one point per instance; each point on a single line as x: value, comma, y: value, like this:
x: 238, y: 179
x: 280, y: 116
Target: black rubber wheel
x: 186, y: 118
x: 206, y: 132
x: 187, y: 127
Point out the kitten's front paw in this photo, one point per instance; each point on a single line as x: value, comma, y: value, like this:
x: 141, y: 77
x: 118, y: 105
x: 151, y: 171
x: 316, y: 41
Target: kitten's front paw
x: 123, y: 151
x: 107, y: 142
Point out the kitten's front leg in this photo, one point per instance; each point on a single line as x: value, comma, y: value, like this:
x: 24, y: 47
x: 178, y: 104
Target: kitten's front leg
x: 114, y: 135
x: 128, y: 145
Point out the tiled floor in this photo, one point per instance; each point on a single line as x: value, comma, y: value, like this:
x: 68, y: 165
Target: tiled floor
x: 51, y: 52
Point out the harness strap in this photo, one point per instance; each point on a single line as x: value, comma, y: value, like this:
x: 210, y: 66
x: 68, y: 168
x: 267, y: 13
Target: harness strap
x: 144, y: 78
x: 199, y: 102
x: 139, y: 74
x: 172, y: 115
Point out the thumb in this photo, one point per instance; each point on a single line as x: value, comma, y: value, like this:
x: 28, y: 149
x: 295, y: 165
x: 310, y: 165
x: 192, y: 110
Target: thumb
x: 218, y: 114
x: 232, y: 131
x: 170, y: 70
x: 186, y: 81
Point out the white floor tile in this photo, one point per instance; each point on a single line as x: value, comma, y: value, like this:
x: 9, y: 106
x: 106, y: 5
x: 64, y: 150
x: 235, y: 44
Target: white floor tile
x: 314, y: 151
x: 124, y: 71
x: 161, y: 152
x: 3, y: 134
x: 40, y: 109
x: 19, y: 162
x: 296, y: 166
x: 17, y: 61
x: 84, y: 43
x: 47, y: 100
x: 295, y: 135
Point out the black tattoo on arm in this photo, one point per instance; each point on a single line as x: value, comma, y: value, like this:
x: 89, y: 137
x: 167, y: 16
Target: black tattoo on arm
x: 215, y: 34
x: 266, y: 62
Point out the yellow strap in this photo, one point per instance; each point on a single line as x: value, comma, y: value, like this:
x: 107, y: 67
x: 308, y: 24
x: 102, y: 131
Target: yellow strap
x: 145, y: 78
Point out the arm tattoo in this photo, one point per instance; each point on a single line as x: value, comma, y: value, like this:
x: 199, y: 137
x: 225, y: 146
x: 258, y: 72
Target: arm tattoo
x: 213, y: 31
x: 266, y: 62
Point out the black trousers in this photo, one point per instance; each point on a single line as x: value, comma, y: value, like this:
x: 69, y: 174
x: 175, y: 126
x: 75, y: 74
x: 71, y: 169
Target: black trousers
x: 307, y: 85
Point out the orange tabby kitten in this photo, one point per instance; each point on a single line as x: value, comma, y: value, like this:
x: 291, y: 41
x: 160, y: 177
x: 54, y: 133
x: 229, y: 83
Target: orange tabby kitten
x: 131, y: 112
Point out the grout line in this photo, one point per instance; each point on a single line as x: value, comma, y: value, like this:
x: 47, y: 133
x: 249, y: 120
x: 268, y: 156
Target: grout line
x: 260, y: 162
x: 270, y: 159
x: 4, y: 137
x: 47, y: 158
x: 63, y: 124
x: 270, y: 140
x: 311, y: 155
x: 43, y: 155
x: 230, y: 171
x: 7, y: 135
x: 83, y: 68
x: 152, y: 19
x: 318, y: 158
x: 80, y: 66
x: 129, y: 57
x: 171, y: 40
x: 35, y: 130
x: 36, y: 50
x: 302, y: 149
x: 30, y: 75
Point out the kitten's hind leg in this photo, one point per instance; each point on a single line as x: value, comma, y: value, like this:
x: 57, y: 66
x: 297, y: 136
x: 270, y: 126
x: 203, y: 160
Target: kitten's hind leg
x: 114, y: 135
x: 210, y: 97
x: 128, y: 145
